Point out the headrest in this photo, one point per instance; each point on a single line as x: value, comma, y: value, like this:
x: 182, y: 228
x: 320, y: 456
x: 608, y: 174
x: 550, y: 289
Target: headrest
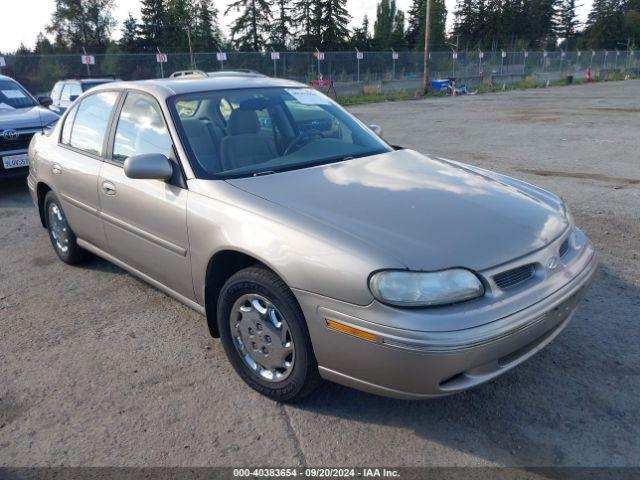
x: 243, y: 121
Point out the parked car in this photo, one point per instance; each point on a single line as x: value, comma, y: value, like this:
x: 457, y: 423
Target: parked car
x: 314, y: 248
x: 21, y: 115
x: 65, y: 92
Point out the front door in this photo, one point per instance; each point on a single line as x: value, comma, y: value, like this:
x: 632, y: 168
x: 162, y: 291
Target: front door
x: 145, y: 221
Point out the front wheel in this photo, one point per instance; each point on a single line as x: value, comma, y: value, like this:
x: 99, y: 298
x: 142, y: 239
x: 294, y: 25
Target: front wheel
x: 265, y: 335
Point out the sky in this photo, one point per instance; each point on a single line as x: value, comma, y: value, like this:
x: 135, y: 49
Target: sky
x: 23, y: 23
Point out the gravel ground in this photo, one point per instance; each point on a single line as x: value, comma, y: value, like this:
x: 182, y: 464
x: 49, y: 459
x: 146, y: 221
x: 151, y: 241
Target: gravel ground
x: 97, y: 368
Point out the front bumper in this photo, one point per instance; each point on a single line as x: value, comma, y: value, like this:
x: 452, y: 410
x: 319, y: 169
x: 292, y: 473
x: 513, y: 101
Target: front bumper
x: 412, y: 364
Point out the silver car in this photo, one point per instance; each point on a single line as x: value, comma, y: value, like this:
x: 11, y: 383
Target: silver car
x: 314, y: 249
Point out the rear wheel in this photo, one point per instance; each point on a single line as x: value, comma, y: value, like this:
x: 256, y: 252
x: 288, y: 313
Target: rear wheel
x: 265, y: 335
x: 62, y: 238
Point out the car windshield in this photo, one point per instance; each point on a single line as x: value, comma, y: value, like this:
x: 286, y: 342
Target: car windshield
x: 235, y: 133
x: 14, y: 96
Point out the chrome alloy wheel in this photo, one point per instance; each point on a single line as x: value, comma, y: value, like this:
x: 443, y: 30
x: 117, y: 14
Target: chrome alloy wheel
x: 58, y: 228
x: 262, y: 337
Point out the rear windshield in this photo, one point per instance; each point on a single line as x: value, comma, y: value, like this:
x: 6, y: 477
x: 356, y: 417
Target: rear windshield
x: 14, y: 96
x: 89, y: 85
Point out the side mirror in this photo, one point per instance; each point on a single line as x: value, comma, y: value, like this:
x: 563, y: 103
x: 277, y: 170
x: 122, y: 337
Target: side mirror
x: 148, y: 166
x: 377, y: 129
x: 44, y: 100
x: 73, y: 98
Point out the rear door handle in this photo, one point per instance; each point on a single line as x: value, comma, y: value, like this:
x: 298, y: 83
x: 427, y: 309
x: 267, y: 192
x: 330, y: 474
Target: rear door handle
x: 56, y: 169
x: 108, y: 188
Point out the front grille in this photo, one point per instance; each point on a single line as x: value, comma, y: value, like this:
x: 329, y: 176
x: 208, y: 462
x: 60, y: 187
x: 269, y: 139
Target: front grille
x: 515, y: 276
x: 564, y: 248
x: 20, y: 143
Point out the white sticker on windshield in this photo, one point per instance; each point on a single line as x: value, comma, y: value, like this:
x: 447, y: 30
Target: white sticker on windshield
x: 4, y: 106
x: 13, y: 94
x: 308, y: 96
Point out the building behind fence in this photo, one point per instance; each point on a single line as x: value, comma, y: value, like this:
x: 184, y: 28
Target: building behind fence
x: 387, y: 71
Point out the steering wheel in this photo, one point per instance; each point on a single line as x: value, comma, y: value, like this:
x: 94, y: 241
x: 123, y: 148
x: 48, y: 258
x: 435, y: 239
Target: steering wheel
x: 301, y: 140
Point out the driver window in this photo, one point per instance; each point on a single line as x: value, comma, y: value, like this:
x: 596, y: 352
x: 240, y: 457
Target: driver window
x: 141, y: 129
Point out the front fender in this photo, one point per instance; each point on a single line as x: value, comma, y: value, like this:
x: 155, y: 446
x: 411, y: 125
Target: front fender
x: 306, y: 254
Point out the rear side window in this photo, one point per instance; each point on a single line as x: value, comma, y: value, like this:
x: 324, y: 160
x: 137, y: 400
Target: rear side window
x: 91, y: 122
x: 141, y: 129
x: 68, y: 125
x: 66, y: 92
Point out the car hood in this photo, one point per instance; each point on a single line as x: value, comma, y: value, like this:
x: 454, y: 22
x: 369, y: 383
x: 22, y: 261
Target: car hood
x: 34, y: 117
x: 429, y: 213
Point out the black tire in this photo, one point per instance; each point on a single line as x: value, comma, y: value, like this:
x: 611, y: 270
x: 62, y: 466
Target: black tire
x: 303, y: 378
x: 70, y: 253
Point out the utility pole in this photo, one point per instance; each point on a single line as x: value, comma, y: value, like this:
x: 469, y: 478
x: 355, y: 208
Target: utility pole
x: 161, y: 67
x: 427, y: 35
x: 393, y: 60
x: 193, y: 65
x: 87, y: 61
x: 318, y: 55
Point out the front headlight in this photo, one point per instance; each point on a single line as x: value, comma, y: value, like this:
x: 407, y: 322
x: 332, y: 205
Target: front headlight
x: 422, y: 289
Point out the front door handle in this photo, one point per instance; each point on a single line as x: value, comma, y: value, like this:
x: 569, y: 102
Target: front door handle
x: 108, y: 188
x: 56, y: 169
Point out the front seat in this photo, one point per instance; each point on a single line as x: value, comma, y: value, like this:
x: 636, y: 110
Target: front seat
x: 203, y: 144
x: 243, y: 145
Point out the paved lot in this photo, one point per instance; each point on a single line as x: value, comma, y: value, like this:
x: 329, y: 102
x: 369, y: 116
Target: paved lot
x: 97, y: 368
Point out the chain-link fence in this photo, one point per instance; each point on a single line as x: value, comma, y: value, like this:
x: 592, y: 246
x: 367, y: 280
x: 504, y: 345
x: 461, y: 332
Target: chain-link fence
x: 387, y: 71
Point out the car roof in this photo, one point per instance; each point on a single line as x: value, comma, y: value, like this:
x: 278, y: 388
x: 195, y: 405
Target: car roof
x: 83, y: 80
x: 168, y: 87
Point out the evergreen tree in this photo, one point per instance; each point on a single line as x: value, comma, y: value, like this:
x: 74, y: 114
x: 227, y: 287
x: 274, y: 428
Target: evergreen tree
x: 631, y: 23
x: 250, y: 30
x: 605, y: 24
x: 568, y: 23
x: 43, y: 46
x: 415, y: 29
x: 466, y: 23
x: 78, y: 23
x: 281, y: 32
x: 384, y: 23
x: 302, y: 17
x: 130, y: 39
x: 334, y: 26
x: 361, y: 38
x: 397, y: 40
x: 153, y: 23
x: 206, y: 33
x: 180, y: 23
x: 317, y: 19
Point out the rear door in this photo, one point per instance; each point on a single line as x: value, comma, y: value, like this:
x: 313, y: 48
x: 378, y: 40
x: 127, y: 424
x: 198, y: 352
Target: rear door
x: 76, y: 168
x: 146, y: 220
